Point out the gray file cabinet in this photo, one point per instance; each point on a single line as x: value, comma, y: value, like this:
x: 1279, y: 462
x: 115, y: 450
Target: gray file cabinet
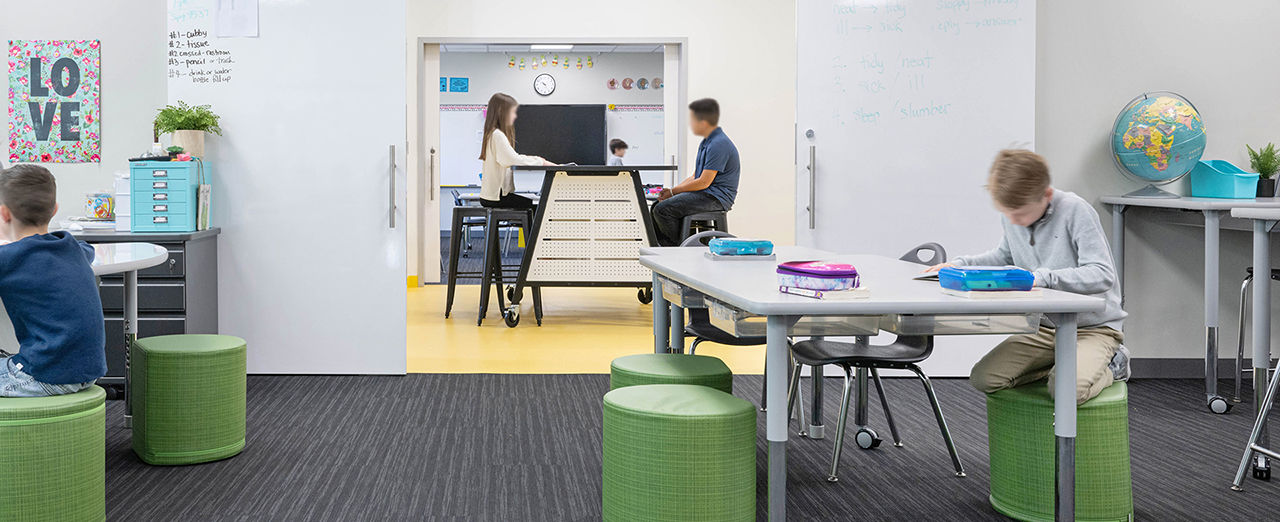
x: 178, y: 296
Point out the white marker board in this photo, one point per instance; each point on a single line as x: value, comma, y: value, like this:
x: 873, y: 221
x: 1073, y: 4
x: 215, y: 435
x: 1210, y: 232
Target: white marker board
x: 908, y: 102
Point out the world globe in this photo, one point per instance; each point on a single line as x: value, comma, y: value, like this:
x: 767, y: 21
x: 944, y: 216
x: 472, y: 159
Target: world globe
x: 1158, y: 137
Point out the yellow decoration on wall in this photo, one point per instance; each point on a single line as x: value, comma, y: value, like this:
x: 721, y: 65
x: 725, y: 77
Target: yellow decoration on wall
x: 589, y: 63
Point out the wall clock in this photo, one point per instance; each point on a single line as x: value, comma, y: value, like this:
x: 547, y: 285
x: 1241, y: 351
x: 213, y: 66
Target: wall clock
x: 544, y: 84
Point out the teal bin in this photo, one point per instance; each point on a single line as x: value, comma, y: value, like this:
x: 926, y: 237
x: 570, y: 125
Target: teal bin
x: 1221, y: 179
x: 163, y: 195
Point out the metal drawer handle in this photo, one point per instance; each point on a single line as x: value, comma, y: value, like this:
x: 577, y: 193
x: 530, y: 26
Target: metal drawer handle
x: 159, y: 208
x: 160, y: 184
x: 160, y: 219
x: 160, y: 196
x: 159, y: 173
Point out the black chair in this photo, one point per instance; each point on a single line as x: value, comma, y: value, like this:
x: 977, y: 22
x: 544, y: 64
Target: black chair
x: 902, y: 354
x: 469, y: 221
x: 694, y: 224
x: 492, y: 269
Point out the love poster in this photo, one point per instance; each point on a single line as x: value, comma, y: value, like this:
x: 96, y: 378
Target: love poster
x: 54, y: 103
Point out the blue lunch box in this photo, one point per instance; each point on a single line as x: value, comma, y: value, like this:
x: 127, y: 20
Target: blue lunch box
x: 985, y: 278
x: 732, y: 246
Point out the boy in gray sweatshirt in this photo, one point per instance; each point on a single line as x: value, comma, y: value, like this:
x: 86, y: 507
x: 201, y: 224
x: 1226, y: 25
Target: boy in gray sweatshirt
x: 1057, y: 236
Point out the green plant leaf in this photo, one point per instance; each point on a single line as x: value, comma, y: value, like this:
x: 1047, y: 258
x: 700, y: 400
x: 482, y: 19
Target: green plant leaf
x: 186, y: 117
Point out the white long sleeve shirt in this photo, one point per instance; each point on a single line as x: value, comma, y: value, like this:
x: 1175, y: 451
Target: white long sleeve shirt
x: 496, y: 179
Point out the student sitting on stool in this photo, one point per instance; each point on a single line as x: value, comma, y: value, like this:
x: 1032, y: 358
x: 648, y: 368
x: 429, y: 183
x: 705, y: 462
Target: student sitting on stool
x: 617, y: 149
x: 49, y: 291
x: 1056, y: 235
x: 714, y: 184
x: 497, y: 185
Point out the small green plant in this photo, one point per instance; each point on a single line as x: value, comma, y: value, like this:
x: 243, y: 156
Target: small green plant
x: 175, y: 150
x: 1266, y: 161
x: 185, y: 117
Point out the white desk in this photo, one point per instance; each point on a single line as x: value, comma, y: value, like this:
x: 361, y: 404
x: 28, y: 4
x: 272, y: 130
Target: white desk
x: 108, y: 259
x: 751, y: 287
x: 1213, y: 210
x: 1264, y: 219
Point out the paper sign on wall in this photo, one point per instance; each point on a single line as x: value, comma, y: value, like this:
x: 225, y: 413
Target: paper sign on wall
x: 236, y: 18
x: 54, y: 102
x: 444, y: 84
x: 459, y: 84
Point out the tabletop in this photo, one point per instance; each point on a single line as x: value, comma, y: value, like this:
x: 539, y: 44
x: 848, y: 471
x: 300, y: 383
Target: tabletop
x: 752, y: 286
x: 1193, y: 203
x: 115, y: 258
x: 1268, y: 214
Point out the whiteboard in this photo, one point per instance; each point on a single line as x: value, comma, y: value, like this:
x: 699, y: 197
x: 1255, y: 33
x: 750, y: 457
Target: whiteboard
x: 642, y: 129
x: 460, y: 134
x: 309, y: 195
x: 908, y: 102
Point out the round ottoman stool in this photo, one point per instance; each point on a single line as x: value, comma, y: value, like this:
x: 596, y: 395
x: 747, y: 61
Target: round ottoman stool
x: 188, y: 395
x: 53, y: 457
x: 670, y: 368
x: 678, y: 452
x: 1020, y: 429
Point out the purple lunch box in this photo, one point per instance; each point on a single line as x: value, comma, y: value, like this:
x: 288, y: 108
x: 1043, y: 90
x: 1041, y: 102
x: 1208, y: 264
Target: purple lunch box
x: 817, y: 275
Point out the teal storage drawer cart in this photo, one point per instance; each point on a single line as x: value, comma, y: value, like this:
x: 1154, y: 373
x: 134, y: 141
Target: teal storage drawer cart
x: 163, y: 195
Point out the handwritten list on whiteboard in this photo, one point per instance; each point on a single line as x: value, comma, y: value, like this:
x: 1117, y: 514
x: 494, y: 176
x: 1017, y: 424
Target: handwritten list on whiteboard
x: 195, y: 58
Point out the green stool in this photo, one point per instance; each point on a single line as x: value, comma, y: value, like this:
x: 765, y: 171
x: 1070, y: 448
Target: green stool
x: 669, y: 368
x: 678, y: 452
x: 53, y: 457
x: 188, y: 398
x: 1020, y: 428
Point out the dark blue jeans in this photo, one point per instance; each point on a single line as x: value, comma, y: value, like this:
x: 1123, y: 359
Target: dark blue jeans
x: 669, y: 214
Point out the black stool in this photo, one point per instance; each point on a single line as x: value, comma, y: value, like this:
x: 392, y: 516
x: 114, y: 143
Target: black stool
x: 493, y: 219
x: 703, y: 221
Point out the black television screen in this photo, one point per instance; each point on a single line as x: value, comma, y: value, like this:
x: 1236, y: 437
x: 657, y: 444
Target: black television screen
x: 562, y: 133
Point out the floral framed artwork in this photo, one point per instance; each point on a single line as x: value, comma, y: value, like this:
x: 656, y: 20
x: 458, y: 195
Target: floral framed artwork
x: 54, y: 101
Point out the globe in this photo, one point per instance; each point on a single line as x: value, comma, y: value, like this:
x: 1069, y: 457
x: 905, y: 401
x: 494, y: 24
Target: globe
x: 1158, y: 137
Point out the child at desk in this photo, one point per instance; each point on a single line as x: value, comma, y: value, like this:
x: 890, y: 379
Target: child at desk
x: 1056, y: 235
x: 49, y: 292
x: 617, y: 149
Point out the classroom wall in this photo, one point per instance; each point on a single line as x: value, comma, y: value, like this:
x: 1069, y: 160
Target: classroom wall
x: 133, y: 80
x: 488, y: 73
x: 1096, y: 55
x: 741, y: 52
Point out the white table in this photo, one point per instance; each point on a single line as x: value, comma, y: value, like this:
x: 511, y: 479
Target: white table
x: 1264, y: 219
x: 1213, y: 209
x: 751, y: 286
x: 127, y: 259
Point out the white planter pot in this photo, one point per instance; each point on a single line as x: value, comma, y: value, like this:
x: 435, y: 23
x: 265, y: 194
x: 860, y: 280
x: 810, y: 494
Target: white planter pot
x: 191, y: 141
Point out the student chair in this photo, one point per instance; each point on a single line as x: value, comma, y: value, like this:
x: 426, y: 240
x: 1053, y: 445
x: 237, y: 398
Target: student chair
x: 53, y: 453
x: 1244, y: 303
x: 468, y: 222
x: 903, y: 354
x: 702, y: 222
x: 492, y: 271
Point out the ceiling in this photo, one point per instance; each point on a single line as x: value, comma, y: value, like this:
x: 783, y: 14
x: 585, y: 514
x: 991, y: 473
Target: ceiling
x: 577, y: 48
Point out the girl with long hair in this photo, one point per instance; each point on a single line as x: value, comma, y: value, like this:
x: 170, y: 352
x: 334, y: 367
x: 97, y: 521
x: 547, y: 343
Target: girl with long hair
x: 497, y: 185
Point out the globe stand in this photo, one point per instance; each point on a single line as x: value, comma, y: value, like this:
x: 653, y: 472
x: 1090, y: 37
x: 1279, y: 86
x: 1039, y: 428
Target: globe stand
x: 1152, y: 192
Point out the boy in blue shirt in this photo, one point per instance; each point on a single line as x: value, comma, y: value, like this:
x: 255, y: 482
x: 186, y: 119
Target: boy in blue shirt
x: 714, y: 184
x: 49, y: 291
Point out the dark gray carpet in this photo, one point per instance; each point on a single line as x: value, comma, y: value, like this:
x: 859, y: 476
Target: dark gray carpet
x: 527, y: 447
x: 473, y: 258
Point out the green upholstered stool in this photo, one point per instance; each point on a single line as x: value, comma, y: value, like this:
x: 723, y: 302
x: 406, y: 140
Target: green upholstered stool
x: 52, y: 457
x: 678, y: 452
x: 1020, y: 429
x: 668, y: 368
x: 188, y: 395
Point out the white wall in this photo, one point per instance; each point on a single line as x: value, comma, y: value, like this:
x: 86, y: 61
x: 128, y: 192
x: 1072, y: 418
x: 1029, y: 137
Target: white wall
x: 1093, y: 57
x: 489, y: 74
x: 133, y: 80
x: 740, y: 52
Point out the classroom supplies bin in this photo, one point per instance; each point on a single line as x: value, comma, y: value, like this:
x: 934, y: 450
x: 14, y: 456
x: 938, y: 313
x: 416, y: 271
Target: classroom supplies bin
x: 732, y: 246
x: 740, y: 323
x: 678, y: 452
x: 1222, y: 179
x: 1023, y: 446
x: 962, y: 324
x: 163, y: 196
x: 681, y: 295
x: 817, y: 275
x: 188, y: 398
x: 53, y: 457
x: 670, y: 368
x: 985, y: 278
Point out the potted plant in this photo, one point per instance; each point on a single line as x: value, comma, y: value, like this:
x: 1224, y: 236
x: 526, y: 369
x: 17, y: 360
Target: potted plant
x: 1266, y: 162
x: 187, y: 124
x: 174, y: 151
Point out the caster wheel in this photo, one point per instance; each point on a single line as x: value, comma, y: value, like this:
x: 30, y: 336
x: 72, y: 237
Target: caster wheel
x: 644, y: 295
x: 866, y: 438
x: 1219, y: 405
x: 1262, y: 471
x: 511, y: 317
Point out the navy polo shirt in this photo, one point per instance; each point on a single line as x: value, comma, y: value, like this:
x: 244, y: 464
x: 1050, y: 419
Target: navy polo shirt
x: 717, y: 153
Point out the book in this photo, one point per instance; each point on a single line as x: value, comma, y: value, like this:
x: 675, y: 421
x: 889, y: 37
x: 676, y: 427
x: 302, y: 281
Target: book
x: 860, y: 292
x: 995, y: 294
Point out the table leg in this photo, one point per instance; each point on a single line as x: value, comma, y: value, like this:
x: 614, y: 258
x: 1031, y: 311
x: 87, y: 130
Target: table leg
x: 1064, y: 413
x: 1117, y: 245
x: 677, y: 328
x: 1212, y: 219
x: 130, y: 335
x: 817, y: 429
x: 1261, y: 318
x: 660, y: 316
x: 776, y: 371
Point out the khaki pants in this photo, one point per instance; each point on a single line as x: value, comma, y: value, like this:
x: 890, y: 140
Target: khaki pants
x: 1022, y: 359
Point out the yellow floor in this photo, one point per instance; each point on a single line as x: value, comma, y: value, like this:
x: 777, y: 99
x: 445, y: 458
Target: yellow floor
x: 582, y: 330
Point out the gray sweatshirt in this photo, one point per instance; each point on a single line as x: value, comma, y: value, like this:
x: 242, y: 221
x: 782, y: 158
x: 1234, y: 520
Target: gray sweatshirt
x: 1066, y: 250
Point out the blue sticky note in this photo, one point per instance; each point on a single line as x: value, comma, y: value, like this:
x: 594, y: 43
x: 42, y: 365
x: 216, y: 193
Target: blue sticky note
x: 444, y: 84
x: 459, y: 84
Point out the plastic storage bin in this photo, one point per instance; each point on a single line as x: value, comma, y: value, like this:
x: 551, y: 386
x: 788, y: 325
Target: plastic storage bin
x: 728, y: 246
x: 817, y: 275
x: 1221, y: 179
x: 164, y: 195
x: 982, y: 278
